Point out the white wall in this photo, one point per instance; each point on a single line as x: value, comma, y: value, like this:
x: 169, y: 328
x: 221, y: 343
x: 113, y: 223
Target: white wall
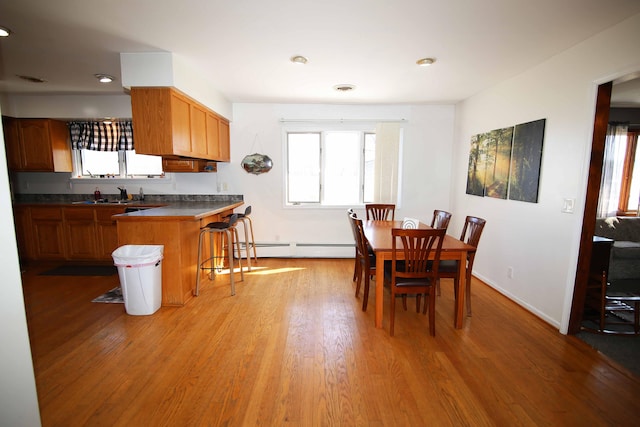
x: 428, y: 134
x: 18, y: 398
x: 538, y: 241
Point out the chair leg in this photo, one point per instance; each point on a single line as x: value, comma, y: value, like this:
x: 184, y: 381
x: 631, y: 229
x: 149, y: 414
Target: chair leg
x: 467, y: 296
x: 358, y: 283
x: 392, y: 313
x: 237, y: 246
x: 253, y: 242
x: 199, y: 269
x: 404, y: 302
x: 432, y: 313
x: 230, y: 253
x: 243, y: 221
x: 365, y: 296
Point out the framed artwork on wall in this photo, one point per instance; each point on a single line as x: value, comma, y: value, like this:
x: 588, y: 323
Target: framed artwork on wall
x: 505, y: 163
x: 526, y: 161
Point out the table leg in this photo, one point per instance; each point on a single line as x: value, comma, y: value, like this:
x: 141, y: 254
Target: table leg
x: 379, y: 289
x: 458, y: 318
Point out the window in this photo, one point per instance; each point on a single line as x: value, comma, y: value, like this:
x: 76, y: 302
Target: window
x: 330, y: 168
x: 122, y: 164
x: 630, y: 185
x: 620, y: 184
x: 105, y: 149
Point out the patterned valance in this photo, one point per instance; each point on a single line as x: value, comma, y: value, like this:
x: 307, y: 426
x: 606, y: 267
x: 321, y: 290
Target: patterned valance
x: 102, y: 136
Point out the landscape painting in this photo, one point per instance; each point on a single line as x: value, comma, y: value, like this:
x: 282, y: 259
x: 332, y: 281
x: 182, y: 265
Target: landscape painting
x: 526, y: 160
x: 498, y: 160
x: 477, y: 167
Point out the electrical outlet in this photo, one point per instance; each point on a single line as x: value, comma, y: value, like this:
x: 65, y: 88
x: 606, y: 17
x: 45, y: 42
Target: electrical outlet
x: 510, y: 272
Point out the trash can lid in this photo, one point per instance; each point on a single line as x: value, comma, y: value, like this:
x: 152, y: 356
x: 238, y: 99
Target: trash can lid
x: 137, y: 254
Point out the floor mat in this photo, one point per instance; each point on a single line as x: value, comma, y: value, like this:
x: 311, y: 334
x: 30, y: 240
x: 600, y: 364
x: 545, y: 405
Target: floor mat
x: 81, y: 270
x: 114, y: 296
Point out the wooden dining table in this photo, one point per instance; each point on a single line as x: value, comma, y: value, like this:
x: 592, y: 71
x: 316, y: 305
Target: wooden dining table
x: 379, y: 235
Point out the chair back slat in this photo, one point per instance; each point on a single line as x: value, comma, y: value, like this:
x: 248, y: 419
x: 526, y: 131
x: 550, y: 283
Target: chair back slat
x: 380, y: 211
x: 440, y: 219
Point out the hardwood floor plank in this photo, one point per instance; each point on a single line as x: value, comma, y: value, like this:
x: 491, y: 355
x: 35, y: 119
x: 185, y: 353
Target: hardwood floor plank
x: 293, y: 347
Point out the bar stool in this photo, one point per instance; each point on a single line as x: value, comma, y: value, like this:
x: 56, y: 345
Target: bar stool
x: 245, y: 219
x: 228, y: 231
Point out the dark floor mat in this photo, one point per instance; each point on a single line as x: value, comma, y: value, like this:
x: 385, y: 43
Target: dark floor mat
x: 81, y: 270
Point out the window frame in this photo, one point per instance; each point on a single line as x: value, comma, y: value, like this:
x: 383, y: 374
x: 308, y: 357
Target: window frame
x: 633, y: 136
x: 78, y: 169
x: 363, y: 130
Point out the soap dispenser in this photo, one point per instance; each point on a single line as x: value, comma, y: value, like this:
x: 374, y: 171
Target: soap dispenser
x: 141, y: 194
x: 96, y: 195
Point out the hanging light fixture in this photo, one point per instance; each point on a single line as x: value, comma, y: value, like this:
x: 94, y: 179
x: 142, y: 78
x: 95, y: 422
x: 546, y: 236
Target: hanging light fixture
x: 4, y: 31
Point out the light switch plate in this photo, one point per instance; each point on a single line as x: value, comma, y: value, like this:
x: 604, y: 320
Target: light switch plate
x: 568, y: 205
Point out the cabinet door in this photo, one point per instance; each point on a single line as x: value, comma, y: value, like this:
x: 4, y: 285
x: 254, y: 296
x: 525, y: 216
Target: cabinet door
x: 213, y: 136
x: 198, y: 118
x: 24, y: 236
x: 107, y: 232
x: 34, y: 137
x: 80, y: 230
x: 48, y: 233
x: 15, y: 159
x: 181, y: 127
x: 225, y: 148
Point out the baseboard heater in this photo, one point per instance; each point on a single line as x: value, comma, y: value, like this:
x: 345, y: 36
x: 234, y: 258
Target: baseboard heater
x: 305, y: 250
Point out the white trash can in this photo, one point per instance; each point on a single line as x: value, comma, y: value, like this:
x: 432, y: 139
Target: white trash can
x: 140, y: 272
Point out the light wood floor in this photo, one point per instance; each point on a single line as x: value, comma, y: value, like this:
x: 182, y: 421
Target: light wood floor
x: 294, y: 348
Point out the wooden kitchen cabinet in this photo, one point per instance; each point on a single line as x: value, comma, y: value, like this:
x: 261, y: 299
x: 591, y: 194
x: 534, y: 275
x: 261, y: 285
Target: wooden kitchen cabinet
x: 168, y: 123
x: 24, y: 235
x: 80, y: 233
x: 37, y: 145
x: 73, y: 233
x: 188, y: 165
x: 48, y: 233
x: 106, y: 231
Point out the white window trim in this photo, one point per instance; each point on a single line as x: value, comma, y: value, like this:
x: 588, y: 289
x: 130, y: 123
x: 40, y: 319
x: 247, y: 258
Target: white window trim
x: 291, y: 126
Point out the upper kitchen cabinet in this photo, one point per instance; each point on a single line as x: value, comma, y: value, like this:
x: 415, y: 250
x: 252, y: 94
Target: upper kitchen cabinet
x: 168, y: 123
x: 37, y: 145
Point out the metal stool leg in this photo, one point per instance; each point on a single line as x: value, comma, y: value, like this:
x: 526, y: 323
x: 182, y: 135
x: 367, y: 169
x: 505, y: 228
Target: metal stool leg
x: 253, y: 241
x: 231, y: 244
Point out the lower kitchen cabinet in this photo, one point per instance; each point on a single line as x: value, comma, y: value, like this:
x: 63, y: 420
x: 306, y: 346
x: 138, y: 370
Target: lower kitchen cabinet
x: 80, y: 233
x: 107, y: 231
x: 73, y: 233
x: 48, y: 233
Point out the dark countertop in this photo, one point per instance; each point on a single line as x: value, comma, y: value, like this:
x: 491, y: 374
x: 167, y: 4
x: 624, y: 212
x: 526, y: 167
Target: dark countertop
x: 181, y: 210
x: 182, y: 206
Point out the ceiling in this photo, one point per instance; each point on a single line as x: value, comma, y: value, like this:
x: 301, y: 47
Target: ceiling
x: 243, y: 47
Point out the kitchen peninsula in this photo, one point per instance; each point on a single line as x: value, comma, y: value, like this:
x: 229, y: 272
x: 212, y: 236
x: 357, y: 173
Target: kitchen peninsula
x: 176, y: 226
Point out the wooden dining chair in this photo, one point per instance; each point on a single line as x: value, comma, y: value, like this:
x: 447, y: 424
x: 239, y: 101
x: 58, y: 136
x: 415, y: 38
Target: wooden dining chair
x: 417, y: 271
x: 380, y: 211
x: 366, y: 260
x: 471, y: 233
x: 440, y: 219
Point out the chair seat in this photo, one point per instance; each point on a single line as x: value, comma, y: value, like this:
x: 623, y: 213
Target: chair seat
x: 448, y: 266
x: 220, y: 225
x: 408, y: 283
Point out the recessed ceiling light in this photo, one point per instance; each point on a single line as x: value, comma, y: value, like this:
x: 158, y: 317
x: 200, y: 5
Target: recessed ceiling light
x: 4, y: 32
x: 425, y: 62
x: 104, y: 78
x: 344, y: 87
x: 32, y: 79
x: 299, y: 59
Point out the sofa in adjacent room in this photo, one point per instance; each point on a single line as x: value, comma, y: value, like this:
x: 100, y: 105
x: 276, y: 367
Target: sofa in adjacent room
x: 624, y: 262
